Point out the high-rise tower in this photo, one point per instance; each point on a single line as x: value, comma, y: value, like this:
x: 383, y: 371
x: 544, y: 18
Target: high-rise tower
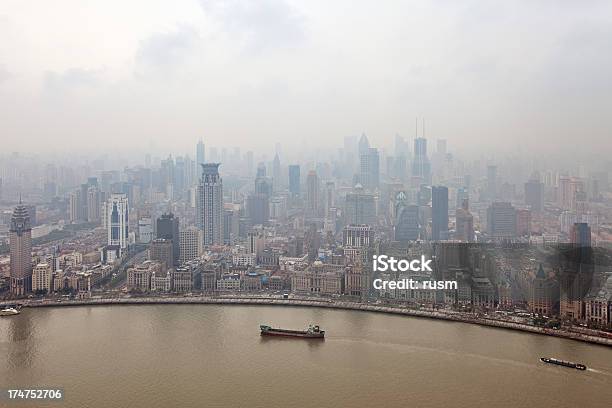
x: 421, y: 168
x: 369, y: 167
x: 294, y: 179
x: 200, y: 154
x: 312, y: 193
x: 168, y: 228
x: 117, y: 221
x: 20, y: 242
x: 439, y: 213
x: 209, y: 205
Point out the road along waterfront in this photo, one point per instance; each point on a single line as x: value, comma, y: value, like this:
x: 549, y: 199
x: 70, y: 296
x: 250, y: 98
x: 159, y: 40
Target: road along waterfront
x: 327, y: 303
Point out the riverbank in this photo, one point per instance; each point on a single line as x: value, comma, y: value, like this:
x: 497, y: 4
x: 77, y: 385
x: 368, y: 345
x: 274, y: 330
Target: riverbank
x: 330, y: 304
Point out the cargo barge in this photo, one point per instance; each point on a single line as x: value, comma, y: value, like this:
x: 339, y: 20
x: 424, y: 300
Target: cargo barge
x: 313, y: 332
x: 563, y: 363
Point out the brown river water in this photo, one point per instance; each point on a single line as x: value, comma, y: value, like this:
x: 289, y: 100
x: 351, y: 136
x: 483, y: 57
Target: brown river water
x: 213, y: 356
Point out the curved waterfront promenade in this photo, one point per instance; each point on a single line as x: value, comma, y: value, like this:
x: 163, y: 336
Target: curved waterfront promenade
x: 326, y: 303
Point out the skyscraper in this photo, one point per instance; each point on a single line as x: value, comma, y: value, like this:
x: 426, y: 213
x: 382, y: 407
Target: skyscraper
x: 117, y: 221
x: 407, y: 225
x: 534, y: 195
x: 258, y: 208
x: 523, y: 222
x: 580, y: 234
x: 20, y: 243
x: 168, y: 228
x: 369, y: 166
x: 462, y: 195
x: 364, y: 144
x: 294, y: 179
x: 190, y: 244
x: 200, y: 154
x: 421, y: 167
x: 312, y: 193
x: 464, y: 220
x: 209, y: 208
x: 439, y: 213
x: 276, y: 173
x: 357, y: 236
x: 360, y: 207
x: 93, y: 203
x: 161, y: 250
x: 501, y: 220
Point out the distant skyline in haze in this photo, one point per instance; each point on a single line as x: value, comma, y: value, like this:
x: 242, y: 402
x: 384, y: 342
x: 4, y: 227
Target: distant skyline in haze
x: 154, y: 76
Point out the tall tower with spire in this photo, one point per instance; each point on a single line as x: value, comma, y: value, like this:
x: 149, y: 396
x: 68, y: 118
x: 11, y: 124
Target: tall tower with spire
x: 20, y: 242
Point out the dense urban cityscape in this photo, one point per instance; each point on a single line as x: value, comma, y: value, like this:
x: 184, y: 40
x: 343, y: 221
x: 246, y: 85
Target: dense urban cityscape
x: 525, y: 243
x: 305, y: 204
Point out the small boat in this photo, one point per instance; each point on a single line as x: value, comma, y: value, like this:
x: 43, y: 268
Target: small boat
x: 569, y: 364
x: 9, y: 311
x: 313, y: 332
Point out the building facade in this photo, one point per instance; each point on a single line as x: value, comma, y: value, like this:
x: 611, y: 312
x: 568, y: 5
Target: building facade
x: 20, y: 245
x: 209, y: 204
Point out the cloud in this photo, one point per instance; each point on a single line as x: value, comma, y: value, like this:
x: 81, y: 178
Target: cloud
x: 259, y: 25
x: 71, y: 80
x: 164, y: 50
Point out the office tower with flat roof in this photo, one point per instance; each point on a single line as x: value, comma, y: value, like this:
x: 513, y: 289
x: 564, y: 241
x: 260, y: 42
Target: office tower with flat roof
x: 534, y: 195
x: 580, y: 234
x: 360, y: 207
x: 421, y: 167
x: 294, y: 179
x: 161, y: 250
x: 258, y: 208
x: 168, y: 228
x: 117, y: 221
x: 145, y: 230
x: 20, y: 247
x: 313, y: 197
x: 439, y: 213
x: 357, y: 236
x: 501, y: 220
x: 41, y: 278
x: 209, y: 204
x: 190, y: 242
x: 523, y: 222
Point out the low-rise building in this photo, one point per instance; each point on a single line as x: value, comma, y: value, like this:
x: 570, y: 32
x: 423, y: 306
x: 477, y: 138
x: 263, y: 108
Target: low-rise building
x: 182, y: 279
x: 139, y: 276
x: 229, y: 283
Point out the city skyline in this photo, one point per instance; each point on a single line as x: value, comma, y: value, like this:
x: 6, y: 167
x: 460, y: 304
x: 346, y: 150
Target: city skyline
x: 485, y: 77
x: 306, y: 203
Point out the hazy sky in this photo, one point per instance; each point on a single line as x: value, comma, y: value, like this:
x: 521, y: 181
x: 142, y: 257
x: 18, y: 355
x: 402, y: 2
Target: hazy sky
x: 486, y: 75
